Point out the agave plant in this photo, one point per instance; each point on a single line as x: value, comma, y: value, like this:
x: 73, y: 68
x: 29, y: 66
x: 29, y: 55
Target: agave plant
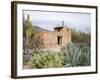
x: 85, y: 58
x: 76, y: 55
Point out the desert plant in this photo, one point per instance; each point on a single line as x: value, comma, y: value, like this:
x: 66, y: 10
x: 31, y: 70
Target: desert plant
x: 46, y: 59
x: 85, y: 58
x: 76, y: 55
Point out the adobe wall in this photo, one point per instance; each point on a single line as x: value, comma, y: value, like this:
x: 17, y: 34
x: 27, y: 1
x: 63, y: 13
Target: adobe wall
x: 50, y: 38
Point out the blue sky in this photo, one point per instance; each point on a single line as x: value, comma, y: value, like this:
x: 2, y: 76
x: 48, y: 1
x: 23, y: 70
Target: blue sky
x: 49, y: 20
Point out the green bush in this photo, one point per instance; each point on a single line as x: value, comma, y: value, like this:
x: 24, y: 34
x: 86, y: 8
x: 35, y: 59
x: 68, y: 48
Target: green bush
x: 76, y: 55
x: 46, y: 59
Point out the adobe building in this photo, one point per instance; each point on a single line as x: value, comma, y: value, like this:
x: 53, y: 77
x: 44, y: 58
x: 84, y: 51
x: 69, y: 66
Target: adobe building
x: 54, y: 40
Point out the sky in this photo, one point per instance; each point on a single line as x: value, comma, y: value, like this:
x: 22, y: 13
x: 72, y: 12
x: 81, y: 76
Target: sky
x: 49, y: 20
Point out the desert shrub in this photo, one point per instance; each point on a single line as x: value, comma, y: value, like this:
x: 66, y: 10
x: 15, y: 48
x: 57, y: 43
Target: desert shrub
x: 85, y: 58
x: 76, y: 55
x: 70, y: 56
x: 46, y: 59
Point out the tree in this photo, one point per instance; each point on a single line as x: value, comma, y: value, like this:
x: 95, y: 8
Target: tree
x: 75, y: 36
x: 29, y: 39
x: 81, y: 37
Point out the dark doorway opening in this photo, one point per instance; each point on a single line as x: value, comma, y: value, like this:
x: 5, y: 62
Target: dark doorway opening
x: 59, y: 40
